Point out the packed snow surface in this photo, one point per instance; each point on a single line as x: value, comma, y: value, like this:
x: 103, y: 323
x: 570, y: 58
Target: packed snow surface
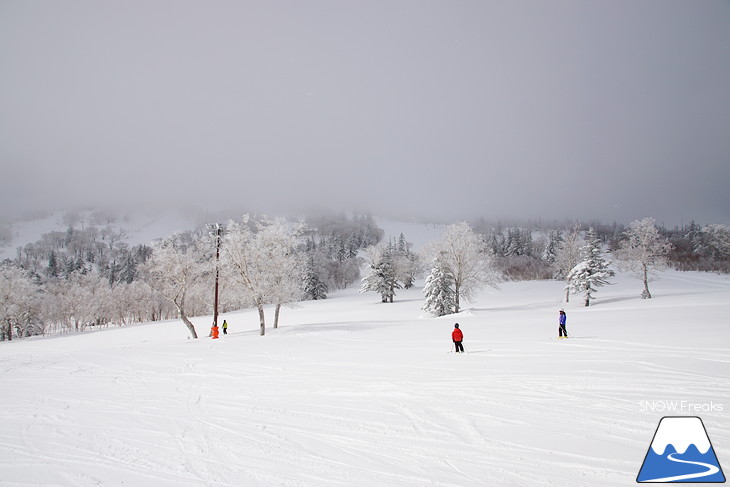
x: 353, y: 392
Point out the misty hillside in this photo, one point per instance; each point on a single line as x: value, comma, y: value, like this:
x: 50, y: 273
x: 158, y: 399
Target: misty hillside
x: 143, y: 227
x: 131, y: 227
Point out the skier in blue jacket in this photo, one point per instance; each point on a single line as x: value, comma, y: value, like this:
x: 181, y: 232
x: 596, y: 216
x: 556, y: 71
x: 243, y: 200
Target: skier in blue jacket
x: 562, y: 332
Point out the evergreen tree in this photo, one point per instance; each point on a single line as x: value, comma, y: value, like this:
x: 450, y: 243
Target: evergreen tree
x: 468, y: 259
x: 314, y: 287
x: 716, y: 241
x: 439, y: 290
x: 128, y: 271
x: 351, y: 247
x: 408, y: 264
x: 403, y: 245
x: 551, y: 248
x: 408, y: 269
x: 382, y: 277
x: 593, y: 271
x: 694, y: 235
x: 52, y: 270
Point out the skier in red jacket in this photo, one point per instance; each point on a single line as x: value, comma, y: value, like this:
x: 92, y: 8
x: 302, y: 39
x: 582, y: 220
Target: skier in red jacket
x: 457, y: 336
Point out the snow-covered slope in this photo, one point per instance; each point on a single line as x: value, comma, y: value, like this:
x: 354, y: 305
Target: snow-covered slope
x: 416, y: 233
x: 353, y: 392
x: 139, y: 227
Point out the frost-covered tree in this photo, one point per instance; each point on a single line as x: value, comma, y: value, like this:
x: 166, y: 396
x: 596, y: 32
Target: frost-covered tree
x: 715, y: 240
x: 131, y: 303
x: 408, y: 264
x: 81, y: 300
x: 554, y: 239
x: 643, y: 250
x: 519, y: 242
x: 593, y: 270
x: 382, y: 277
x: 260, y: 257
x: 466, y: 256
x: 285, y: 264
x: 66, y: 303
x: 314, y: 286
x: 567, y: 256
x: 439, y: 290
x: 52, y: 269
x: 176, y: 267
x: 244, y: 261
x: 19, y: 303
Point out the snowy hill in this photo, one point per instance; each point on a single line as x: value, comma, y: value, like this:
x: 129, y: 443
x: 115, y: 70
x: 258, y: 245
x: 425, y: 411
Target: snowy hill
x: 138, y: 227
x: 417, y: 233
x: 143, y: 227
x: 353, y: 392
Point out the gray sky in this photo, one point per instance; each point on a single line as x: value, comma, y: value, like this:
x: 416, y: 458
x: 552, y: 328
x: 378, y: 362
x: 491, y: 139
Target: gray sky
x: 614, y: 110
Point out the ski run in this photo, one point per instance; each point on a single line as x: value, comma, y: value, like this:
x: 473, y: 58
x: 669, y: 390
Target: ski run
x: 349, y: 391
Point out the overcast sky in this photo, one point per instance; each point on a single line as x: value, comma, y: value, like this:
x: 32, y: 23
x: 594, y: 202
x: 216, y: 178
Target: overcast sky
x: 614, y: 110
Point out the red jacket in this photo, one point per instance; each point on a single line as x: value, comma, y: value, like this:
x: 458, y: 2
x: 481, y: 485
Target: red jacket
x: 457, y: 335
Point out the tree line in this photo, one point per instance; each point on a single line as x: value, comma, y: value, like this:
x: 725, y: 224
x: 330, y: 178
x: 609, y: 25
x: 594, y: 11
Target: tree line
x: 467, y: 259
x: 89, y: 277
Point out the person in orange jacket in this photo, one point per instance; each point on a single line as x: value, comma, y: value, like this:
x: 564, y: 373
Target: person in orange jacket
x: 457, y: 336
x: 214, y: 331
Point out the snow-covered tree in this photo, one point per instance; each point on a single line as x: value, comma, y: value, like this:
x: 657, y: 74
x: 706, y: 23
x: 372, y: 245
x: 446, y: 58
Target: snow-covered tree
x: 285, y: 264
x: 178, y: 265
x: 715, y: 241
x: 19, y: 303
x: 567, y: 256
x: 593, y: 270
x: 407, y: 263
x: 314, y: 286
x: 643, y: 250
x: 466, y: 256
x: 554, y: 239
x: 131, y: 303
x: 260, y: 257
x: 81, y: 300
x: 519, y: 242
x: 439, y: 290
x: 64, y: 303
x: 382, y: 277
x: 244, y: 262
x: 52, y: 270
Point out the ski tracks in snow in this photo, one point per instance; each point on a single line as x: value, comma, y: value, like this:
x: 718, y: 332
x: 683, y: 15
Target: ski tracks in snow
x: 350, y: 405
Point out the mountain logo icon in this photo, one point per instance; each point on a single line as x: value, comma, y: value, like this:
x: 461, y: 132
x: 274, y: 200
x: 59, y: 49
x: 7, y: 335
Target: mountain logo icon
x: 681, y: 452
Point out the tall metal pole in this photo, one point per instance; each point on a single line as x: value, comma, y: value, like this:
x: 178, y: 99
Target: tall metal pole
x: 217, y: 260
